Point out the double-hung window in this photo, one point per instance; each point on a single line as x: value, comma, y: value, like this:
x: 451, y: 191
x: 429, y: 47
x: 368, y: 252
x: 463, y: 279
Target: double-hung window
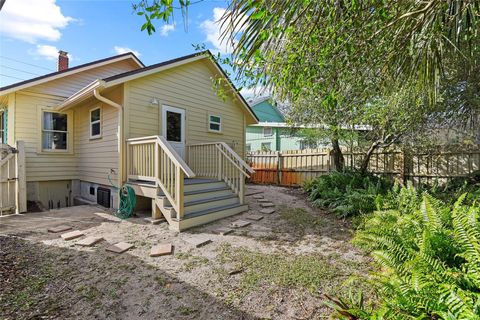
x: 54, y: 131
x: 267, y: 131
x: 214, y: 123
x: 95, y: 123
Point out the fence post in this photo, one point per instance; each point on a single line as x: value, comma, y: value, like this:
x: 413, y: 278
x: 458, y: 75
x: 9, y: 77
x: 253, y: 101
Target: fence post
x: 21, y: 183
x: 329, y: 168
x: 279, y: 169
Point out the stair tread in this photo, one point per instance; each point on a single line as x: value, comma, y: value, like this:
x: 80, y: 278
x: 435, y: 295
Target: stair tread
x: 189, y: 181
x: 189, y: 193
x: 194, y: 202
x: 211, y: 210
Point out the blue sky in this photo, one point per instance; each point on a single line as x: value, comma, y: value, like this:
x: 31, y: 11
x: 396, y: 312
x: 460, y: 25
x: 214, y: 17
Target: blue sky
x: 32, y: 31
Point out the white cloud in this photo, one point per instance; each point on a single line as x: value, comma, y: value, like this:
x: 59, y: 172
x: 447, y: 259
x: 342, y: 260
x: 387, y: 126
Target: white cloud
x: 122, y: 50
x: 48, y: 52
x: 33, y: 20
x: 166, y: 29
x: 213, y: 32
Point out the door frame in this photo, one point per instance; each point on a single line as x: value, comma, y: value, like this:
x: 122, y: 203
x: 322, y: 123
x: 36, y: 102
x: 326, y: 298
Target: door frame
x: 181, y: 111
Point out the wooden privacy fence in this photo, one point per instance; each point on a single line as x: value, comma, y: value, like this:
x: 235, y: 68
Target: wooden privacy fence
x: 12, y: 179
x: 293, y: 168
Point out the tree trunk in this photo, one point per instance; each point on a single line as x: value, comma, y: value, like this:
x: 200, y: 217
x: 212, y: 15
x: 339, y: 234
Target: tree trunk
x: 338, y: 159
x: 368, y: 155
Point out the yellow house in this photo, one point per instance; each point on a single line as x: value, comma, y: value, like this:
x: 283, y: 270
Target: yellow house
x: 161, y: 129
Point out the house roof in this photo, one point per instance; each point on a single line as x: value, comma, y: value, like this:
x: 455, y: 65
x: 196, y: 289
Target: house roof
x: 58, y: 74
x: 134, y: 74
x: 266, y: 110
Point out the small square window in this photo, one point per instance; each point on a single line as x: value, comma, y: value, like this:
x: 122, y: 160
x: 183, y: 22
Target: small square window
x: 214, y: 123
x: 267, y: 132
x: 95, y: 123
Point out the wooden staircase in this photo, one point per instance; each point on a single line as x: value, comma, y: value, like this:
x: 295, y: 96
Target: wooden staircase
x: 205, y: 200
x: 211, y: 186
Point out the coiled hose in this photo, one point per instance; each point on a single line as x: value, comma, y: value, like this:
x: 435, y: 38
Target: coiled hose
x: 128, y: 200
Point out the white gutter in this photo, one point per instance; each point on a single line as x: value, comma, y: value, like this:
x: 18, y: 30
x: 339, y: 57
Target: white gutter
x: 96, y: 93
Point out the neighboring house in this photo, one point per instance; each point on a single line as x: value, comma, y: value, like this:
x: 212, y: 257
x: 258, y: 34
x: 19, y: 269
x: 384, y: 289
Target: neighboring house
x: 149, y: 127
x: 272, y: 133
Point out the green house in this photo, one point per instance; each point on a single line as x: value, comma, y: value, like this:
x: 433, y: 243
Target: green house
x: 272, y: 132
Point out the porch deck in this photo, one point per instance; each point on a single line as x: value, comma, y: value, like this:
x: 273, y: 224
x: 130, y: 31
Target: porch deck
x: 208, y: 185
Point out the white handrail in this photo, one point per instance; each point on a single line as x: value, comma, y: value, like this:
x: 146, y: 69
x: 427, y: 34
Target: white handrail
x: 153, y: 159
x: 218, y: 161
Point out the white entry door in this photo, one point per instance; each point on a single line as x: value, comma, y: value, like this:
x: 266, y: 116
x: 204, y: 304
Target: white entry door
x: 173, y: 128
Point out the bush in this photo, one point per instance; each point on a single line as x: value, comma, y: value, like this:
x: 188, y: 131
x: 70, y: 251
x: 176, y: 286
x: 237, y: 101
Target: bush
x: 346, y: 193
x: 429, y: 258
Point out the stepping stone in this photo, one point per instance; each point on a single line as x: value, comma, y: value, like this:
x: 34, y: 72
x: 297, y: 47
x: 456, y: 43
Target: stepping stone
x: 72, y: 235
x: 154, y: 221
x: 224, y: 231
x: 161, y: 250
x: 59, y: 229
x: 267, y: 205
x: 258, y: 196
x: 267, y: 211
x: 263, y: 200
x: 120, y: 247
x: 240, y: 223
x: 254, y: 217
x: 89, y: 241
x: 198, y: 241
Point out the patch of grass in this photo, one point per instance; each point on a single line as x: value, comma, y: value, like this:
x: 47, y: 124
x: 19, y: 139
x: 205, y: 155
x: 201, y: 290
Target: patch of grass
x: 186, y: 311
x: 88, y: 292
x: 161, y: 280
x: 194, y: 262
x: 314, y: 272
x: 300, y: 218
x: 31, y: 286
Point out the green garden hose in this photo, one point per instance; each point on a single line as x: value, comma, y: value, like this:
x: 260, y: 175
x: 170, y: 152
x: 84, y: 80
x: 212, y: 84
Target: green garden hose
x: 128, y: 200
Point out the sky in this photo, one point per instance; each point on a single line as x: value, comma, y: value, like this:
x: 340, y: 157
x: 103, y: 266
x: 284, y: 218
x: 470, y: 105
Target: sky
x: 32, y: 32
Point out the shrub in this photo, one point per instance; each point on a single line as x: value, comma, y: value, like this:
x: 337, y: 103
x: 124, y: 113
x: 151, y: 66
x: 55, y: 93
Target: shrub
x: 346, y: 193
x: 429, y: 258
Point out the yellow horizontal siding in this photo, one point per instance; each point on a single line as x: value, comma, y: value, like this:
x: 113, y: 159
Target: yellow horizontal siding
x: 96, y: 157
x: 39, y: 167
x: 187, y: 87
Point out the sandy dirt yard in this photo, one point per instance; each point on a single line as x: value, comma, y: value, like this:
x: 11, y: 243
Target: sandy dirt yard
x: 277, y: 268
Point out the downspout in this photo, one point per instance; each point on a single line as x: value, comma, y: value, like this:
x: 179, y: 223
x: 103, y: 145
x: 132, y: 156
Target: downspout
x: 96, y: 93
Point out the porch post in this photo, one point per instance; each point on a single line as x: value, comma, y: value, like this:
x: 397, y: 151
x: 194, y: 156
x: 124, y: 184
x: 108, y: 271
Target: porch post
x: 179, y: 192
x: 21, y: 183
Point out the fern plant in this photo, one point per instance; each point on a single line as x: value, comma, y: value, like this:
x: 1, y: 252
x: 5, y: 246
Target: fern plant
x: 346, y: 193
x: 428, y: 258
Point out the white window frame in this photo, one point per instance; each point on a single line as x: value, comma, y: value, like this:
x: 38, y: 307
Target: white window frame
x: 67, y: 132
x: 220, y: 127
x: 265, y: 134
x: 91, y: 123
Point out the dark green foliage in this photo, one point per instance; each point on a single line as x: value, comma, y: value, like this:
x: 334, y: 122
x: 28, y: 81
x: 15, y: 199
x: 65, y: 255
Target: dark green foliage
x: 428, y: 254
x: 347, y: 193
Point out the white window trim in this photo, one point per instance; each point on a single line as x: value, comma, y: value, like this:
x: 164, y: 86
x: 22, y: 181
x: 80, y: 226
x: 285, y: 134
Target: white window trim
x: 268, y: 135
x: 69, y: 131
x: 90, y: 123
x: 219, y: 123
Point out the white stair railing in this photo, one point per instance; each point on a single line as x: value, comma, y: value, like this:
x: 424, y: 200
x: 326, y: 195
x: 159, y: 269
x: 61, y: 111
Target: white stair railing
x: 153, y: 159
x: 218, y: 161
